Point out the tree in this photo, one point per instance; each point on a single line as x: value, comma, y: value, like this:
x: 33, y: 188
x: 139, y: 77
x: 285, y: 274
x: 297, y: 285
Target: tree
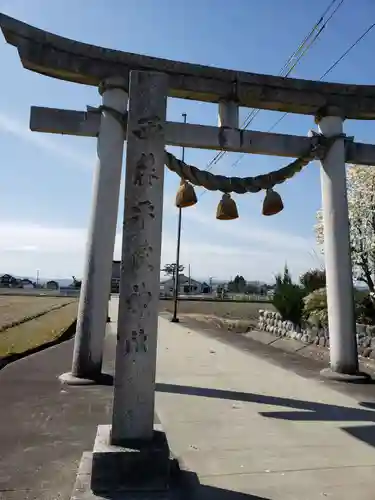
x: 312, y: 280
x: 361, y: 204
x: 283, y: 279
x: 76, y: 283
x: 238, y: 285
x: 252, y: 288
x: 288, y: 297
x: 170, y: 269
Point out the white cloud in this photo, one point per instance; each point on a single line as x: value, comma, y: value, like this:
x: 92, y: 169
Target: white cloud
x: 58, y: 252
x: 220, y: 249
x: 250, y: 232
x: 43, y: 141
x: 254, y: 262
x: 244, y: 246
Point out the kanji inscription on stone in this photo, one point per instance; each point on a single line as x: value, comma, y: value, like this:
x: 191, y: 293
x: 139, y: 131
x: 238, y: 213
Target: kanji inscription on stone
x: 145, y: 170
x: 139, y: 299
x: 142, y: 210
x: 148, y: 127
x: 137, y: 342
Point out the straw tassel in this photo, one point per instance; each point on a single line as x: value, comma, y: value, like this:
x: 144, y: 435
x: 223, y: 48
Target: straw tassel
x: 185, y: 196
x: 273, y: 204
x: 227, y: 208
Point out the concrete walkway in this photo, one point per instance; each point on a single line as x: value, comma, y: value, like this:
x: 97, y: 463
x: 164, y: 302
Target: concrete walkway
x: 245, y: 425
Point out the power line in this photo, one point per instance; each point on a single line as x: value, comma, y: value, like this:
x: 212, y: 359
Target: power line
x: 347, y: 51
x: 297, y: 54
x: 236, y: 162
x: 302, y: 50
x: 321, y: 19
x: 331, y: 67
x: 253, y: 113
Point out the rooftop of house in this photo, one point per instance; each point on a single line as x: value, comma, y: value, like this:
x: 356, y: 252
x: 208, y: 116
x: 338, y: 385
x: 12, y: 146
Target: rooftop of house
x: 182, y: 279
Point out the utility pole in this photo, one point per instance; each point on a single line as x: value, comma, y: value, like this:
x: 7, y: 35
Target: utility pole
x: 176, y: 281
x: 189, y: 279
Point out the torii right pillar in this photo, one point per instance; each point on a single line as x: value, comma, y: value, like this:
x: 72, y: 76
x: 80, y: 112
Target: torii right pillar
x: 340, y: 297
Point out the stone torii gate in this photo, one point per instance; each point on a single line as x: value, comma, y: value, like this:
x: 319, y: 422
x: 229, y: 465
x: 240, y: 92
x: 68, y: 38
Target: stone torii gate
x: 126, y: 449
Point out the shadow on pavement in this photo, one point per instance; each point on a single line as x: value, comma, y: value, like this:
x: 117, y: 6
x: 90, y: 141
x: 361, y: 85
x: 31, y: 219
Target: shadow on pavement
x: 312, y: 411
x: 190, y: 488
x: 199, y: 493
x: 306, y: 411
x: 211, y: 493
x: 185, y: 485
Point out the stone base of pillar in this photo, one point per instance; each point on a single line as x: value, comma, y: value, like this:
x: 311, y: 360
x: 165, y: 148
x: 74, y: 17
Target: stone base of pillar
x: 354, y: 378
x: 82, y: 487
x: 101, y: 379
x: 109, y: 471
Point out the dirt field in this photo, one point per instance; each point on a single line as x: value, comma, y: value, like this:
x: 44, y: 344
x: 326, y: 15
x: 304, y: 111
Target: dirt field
x: 27, y: 322
x: 14, y: 309
x: 244, y: 311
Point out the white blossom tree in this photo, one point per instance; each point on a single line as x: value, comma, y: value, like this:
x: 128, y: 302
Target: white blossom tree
x: 361, y: 204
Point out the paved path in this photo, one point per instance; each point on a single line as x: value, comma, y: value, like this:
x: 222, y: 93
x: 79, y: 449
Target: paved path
x: 249, y: 428
x: 244, y: 424
x: 45, y: 427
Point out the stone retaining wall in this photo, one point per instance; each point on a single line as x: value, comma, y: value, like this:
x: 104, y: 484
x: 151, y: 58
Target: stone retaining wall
x: 272, y: 322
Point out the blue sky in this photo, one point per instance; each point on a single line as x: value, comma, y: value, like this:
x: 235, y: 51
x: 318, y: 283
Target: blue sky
x: 47, y: 180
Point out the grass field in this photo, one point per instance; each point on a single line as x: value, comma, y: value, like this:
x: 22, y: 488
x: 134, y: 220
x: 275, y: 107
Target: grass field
x: 28, y: 322
x: 15, y: 309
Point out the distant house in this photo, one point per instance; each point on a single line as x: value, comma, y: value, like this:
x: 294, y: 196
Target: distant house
x: 26, y: 283
x: 186, y: 286
x: 115, y: 278
x: 52, y: 285
x: 8, y: 281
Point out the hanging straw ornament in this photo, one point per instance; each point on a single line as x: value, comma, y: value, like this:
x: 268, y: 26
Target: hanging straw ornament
x: 273, y: 204
x: 185, y: 196
x: 227, y: 208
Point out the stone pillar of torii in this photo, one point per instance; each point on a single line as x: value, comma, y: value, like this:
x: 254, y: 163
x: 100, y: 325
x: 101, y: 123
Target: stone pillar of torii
x: 134, y: 103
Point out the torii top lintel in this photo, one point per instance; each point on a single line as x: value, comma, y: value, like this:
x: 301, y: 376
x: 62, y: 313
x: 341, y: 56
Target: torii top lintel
x: 66, y: 59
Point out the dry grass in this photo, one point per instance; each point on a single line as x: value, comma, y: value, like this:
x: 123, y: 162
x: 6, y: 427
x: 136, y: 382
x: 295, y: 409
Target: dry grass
x: 38, y: 331
x: 16, y: 309
x: 247, y: 311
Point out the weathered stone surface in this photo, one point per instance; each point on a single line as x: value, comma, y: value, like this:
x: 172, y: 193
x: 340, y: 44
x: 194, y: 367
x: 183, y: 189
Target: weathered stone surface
x: 143, y: 466
x: 70, y: 60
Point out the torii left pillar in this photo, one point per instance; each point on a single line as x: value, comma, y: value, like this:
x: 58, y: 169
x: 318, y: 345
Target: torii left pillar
x: 93, y: 302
